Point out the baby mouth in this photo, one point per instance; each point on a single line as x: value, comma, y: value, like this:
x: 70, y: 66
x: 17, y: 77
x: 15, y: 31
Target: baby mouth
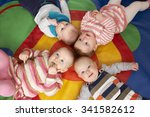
x: 90, y: 75
x: 53, y: 64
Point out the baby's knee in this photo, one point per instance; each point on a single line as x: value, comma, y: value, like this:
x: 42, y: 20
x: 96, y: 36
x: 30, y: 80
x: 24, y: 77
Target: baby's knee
x: 2, y: 53
x: 4, y: 59
x: 136, y: 3
x: 7, y: 88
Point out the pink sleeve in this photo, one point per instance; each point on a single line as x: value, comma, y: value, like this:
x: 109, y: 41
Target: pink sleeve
x: 86, y: 18
x: 34, y: 53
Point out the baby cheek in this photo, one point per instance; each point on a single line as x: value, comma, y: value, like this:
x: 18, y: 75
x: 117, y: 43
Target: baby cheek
x: 59, y: 33
x: 81, y: 76
x: 61, y: 65
x: 50, y: 58
x: 92, y: 79
x: 87, y: 79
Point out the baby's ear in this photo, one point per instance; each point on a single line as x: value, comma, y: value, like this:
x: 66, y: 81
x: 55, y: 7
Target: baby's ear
x: 95, y: 47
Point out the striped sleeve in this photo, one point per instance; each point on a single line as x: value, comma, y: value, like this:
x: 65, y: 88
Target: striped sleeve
x: 29, y: 53
x: 86, y: 19
x: 52, y: 84
x: 33, y: 53
x: 117, y: 67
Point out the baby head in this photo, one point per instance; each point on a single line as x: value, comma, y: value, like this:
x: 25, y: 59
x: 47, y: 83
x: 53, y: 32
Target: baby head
x: 86, y: 43
x: 66, y: 32
x: 86, y: 69
x: 61, y: 59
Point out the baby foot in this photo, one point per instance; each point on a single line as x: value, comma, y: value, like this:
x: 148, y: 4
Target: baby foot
x: 149, y: 3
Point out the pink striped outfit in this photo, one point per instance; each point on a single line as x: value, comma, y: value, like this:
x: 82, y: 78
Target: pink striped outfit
x: 32, y: 77
x: 115, y: 22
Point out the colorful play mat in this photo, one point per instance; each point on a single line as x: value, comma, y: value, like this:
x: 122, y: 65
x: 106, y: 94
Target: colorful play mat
x: 18, y: 31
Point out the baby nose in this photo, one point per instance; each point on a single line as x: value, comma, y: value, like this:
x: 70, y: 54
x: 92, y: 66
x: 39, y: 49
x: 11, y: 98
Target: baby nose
x: 83, y: 39
x: 56, y: 60
x: 53, y: 64
x: 88, y: 71
x: 63, y: 25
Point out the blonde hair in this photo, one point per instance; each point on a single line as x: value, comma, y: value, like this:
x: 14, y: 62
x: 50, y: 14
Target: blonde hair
x: 78, y: 61
x: 70, y: 52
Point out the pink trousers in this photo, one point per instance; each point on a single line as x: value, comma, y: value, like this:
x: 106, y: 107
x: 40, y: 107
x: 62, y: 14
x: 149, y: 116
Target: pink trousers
x: 7, y: 86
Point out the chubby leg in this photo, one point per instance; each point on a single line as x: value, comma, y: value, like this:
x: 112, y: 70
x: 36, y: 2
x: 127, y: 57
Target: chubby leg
x: 33, y: 6
x: 4, y: 65
x: 7, y: 88
x: 134, y: 8
x: 114, y: 2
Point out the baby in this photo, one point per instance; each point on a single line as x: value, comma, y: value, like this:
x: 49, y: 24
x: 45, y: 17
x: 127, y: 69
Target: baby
x: 53, y: 18
x: 38, y: 73
x: 100, y: 84
x: 99, y: 27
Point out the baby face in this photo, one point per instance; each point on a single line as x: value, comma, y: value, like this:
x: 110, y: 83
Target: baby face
x: 86, y: 42
x: 67, y: 32
x: 61, y: 60
x: 86, y: 69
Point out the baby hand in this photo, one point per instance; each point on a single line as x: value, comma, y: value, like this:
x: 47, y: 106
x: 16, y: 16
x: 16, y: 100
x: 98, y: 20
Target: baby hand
x: 97, y: 15
x: 24, y: 56
x: 53, y: 21
x: 94, y: 13
x: 135, y: 66
x: 52, y: 70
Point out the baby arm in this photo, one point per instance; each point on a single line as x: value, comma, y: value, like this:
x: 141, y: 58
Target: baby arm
x: 44, y: 26
x: 84, y: 93
x: 52, y: 84
x: 86, y: 18
x: 26, y: 54
x: 65, y: 9
x: 122, y: 66
x: 29, y: 53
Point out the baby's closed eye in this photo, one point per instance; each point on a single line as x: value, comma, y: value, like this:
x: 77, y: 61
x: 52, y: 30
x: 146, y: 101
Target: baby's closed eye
x: 62, y: 61
x: 82, y: 72
x: 86, y: 43
x: 57, y: 54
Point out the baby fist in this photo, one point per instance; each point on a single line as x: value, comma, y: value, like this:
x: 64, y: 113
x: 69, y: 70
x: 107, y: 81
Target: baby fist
x: 52, y: 21
x: 135, y: 66
x: 24, y: 56
x: 52, y: 70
